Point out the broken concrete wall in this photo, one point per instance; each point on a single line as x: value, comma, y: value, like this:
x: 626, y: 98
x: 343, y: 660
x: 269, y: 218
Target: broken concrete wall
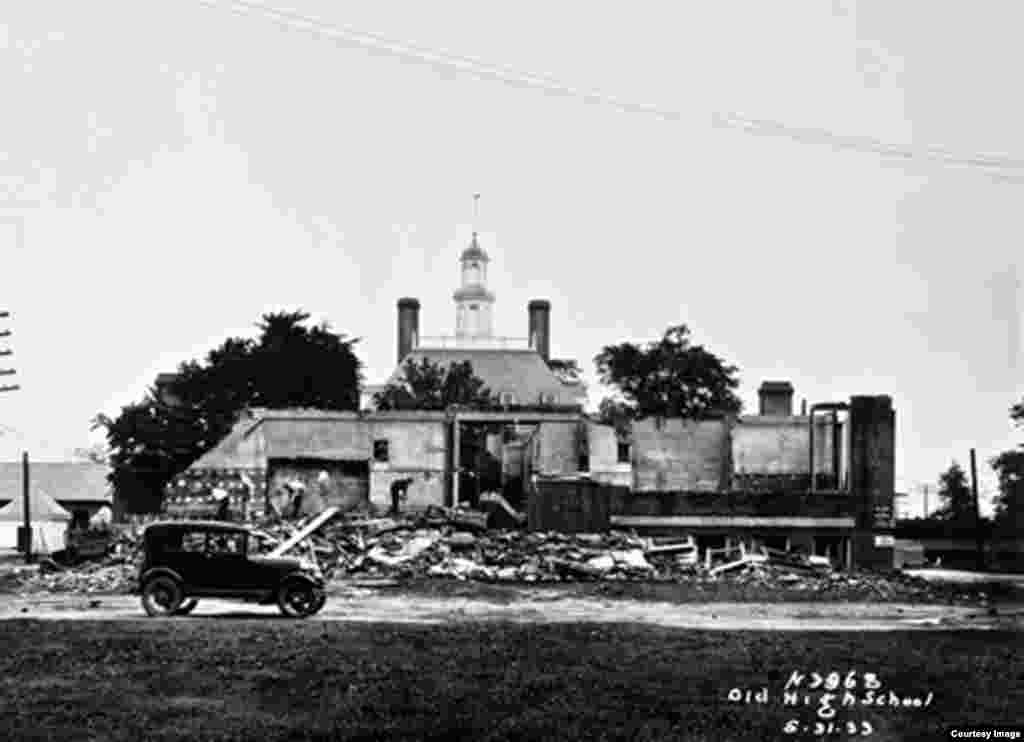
x: 780, y: 445
x: 679, y: 455
x: 603, y: 447
x: 733, y: 503
x: 571, y: 505
x: 556, y: 449
x: 340, y: 439
x: 417, y: 449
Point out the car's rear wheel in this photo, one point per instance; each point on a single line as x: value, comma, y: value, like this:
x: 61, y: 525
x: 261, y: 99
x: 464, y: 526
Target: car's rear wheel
x: 187, y: 607
x: 162, y: 596
x: 299, y: 599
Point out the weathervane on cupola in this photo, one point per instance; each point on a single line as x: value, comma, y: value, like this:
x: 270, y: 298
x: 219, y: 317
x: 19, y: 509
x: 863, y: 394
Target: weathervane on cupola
x: 473, y: 302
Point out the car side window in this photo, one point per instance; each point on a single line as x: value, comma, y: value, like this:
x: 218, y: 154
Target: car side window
x: 226, y: 543
x: 193, y: 542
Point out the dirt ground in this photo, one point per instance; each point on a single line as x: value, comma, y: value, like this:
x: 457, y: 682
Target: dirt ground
x: 361, y: 604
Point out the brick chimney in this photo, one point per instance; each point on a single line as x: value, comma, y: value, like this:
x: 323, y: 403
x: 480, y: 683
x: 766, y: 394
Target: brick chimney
x: 408, y: 326
x: 776, y: 398
x: 539, y: 311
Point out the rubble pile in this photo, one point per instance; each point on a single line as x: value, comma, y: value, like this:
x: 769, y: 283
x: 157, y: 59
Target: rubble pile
x: 856, y: 585
x: 459, y: 544
x: 111, y: 577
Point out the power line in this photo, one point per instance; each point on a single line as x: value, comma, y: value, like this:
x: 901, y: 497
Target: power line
x: 994, y: 166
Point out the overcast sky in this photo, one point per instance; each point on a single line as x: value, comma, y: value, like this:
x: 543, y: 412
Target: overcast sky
x: 171, y: 170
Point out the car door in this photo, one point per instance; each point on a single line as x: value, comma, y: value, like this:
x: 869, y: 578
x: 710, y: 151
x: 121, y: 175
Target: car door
x: 228, y: 569
x: 190, y: 560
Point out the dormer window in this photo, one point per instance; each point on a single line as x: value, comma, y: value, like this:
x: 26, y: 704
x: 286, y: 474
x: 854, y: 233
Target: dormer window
x: 507, y: 398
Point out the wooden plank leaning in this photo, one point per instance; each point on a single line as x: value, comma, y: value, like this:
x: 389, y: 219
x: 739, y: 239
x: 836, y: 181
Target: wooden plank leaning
x: 305, y: 532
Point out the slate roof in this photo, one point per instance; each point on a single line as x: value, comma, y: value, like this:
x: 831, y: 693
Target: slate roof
x: 41, y: 507
x: 522, y: 372
x: 61, y: 480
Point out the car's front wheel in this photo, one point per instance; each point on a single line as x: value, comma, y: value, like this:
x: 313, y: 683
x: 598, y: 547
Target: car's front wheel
x: 162, y: 596
x: 299, y: 599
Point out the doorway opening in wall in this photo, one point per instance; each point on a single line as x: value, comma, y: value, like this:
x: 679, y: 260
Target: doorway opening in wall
x: 479, y: 469
x: 79, y: 519
x: 774, y: 541
x: 707, y: 541
x: 832, y: 546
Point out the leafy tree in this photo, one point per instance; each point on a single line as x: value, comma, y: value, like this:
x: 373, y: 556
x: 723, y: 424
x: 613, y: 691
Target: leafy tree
x: 428, y: 386
x: 670, y: 377
x: 568, y: 372
x: 956, y: 497
x: 98, y: 453
x: 288, y: 365
x: 1009, y: 465
x: 1009, y: 515
x: 616, y: 413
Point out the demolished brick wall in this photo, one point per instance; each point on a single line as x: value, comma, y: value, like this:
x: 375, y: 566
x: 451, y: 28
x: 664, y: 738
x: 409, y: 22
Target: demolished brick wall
x: 191, y: 492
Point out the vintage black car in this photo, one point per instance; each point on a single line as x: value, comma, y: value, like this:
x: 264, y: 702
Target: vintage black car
x: 187, y: 560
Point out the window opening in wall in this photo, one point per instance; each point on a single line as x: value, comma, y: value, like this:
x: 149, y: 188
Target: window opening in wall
x: 623, y: 453
x: 507, y: 398
x: 584, y: 462
x: 381, y: 452
x: 474, y: 307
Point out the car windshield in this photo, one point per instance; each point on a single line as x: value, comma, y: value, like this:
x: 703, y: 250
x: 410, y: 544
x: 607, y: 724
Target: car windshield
x: 225, y: 543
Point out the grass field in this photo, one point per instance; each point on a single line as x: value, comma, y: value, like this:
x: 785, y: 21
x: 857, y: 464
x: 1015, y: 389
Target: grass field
x: 273, y: 679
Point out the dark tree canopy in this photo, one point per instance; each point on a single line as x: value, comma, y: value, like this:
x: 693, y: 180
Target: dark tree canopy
x: 288, y: 365
x: 616, y: 413
x: 428, y: 386
x: 956, y: 497
x: 1009, y: 465
x: 567, y: 371
x: 670, y: 377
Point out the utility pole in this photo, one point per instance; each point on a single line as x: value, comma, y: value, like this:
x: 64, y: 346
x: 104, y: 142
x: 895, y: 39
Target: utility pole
x: 979, y: 536
x: 26, y: 501
x: 925, y: 488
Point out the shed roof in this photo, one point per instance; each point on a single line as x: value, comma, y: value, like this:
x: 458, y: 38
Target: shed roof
x: 41, y: 507
x: 61, y: 480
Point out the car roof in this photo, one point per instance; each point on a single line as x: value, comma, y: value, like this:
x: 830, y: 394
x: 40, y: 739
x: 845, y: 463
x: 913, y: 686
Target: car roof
x: 198, y: 525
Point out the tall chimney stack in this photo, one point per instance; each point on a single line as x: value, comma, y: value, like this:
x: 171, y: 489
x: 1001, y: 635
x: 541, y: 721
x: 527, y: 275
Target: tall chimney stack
x: 776, y: 398
x: 408, y: 326
x: 539, y: 311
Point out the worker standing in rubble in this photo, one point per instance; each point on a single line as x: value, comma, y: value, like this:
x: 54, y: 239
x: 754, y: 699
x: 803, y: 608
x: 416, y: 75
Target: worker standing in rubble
x: 298, y: 490
x: 398, y: 492
x: 220, y: 497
